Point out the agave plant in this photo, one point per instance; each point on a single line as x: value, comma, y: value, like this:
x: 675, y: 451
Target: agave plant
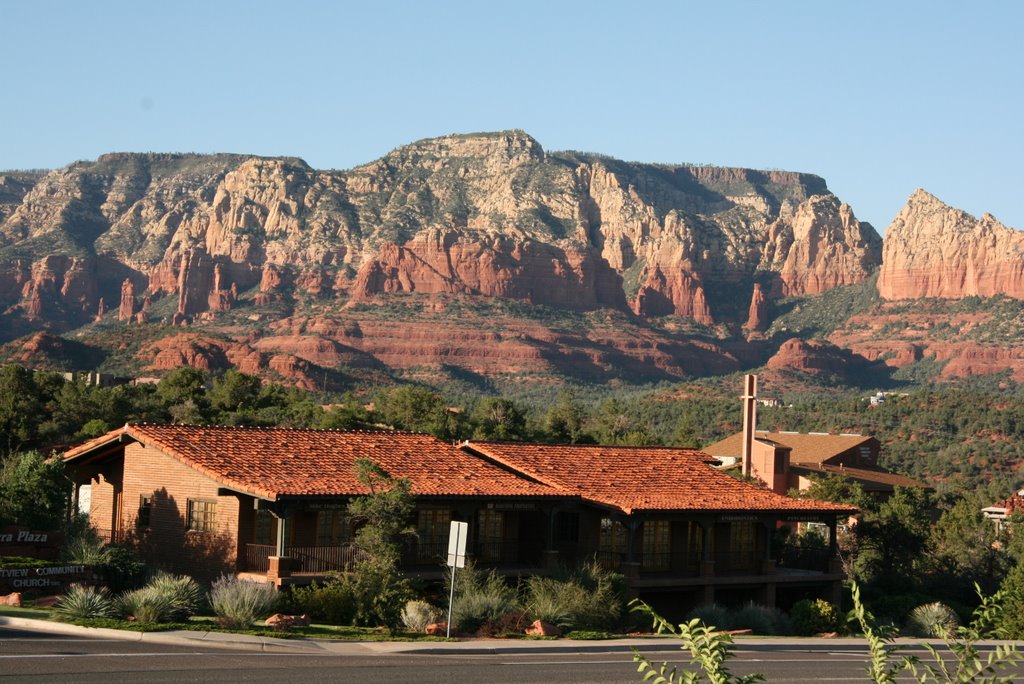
x: 81, y: 601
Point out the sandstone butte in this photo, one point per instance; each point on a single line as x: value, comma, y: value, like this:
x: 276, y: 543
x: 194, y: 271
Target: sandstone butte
x: 933, y: 250
x: 293, y: 263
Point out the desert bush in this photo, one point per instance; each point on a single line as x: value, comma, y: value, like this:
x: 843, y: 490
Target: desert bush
x: 764, y: 620
x: 80, y: 601
x: 333, y: 601
x: 183, y: 594
x: 123, y: 569
x: 586, y: 597
x: 552, y: 601
x: 814, y: 617
x: 418, y: 614
x: 480, y: 598
x: 86, y: 550
x: 933, y: 620
x: 712, y: 615
x: 144, y: 605
x: 237, y: 603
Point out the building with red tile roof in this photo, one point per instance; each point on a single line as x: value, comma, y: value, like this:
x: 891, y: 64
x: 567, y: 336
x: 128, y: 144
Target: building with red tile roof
x: 644, y: 479
x: 271, y: 502
x: 1002, y: 511
x: 790, y: 460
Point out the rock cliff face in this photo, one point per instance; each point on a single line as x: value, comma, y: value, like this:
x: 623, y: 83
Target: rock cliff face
x: 195, y: 240
x: 487, y: 214
x: 933, y: 250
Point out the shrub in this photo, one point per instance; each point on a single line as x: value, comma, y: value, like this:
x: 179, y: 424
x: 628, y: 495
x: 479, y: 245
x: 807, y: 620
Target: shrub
x: 712, y: 615
x: 123, y: 569
x: 553, y: 601
x: 144, y: 605
x: 814, y: 617
x: 934, y: 620
x: 80, y: 601
x: 237, y: 603
x: 418, y: 614
x: 333, y: 601
x: 86, y: 550
x: 183, y: 595
x: 480, y: 598
x: 587, y: 597
x: 761, y: 620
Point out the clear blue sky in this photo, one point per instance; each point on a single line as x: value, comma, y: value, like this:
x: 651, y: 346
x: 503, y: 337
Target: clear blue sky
x: 879, y: 98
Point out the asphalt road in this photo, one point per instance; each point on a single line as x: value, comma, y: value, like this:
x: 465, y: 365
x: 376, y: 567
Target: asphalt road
x: 30, y: 656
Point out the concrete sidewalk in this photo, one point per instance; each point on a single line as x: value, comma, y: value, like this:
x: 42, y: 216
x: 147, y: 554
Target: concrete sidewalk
x: 249, y: 642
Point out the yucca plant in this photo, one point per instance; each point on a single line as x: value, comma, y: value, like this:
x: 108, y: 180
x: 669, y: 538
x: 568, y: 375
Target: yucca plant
x: 81, y: 601
x: 237, y: 603
x: 934, y: 620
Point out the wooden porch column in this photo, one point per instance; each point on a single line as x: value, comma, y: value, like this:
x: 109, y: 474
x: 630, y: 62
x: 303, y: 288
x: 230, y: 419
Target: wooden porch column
x: 767, y: 562
x: 279, y: 565
x: 707, y: 561
x: 834, y: 563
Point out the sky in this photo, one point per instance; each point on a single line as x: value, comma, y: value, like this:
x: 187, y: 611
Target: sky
x: 878, y: 98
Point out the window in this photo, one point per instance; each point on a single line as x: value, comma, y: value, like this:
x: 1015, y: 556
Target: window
x: 333, y: 528
x: 567, y: 527
x: 743, y: 545
x: 657, y: 554
x: 612, y: 547
x: 145, y: 515
x: 491, y: 535
x: 266, y: 528
x: 202, y: 515
x: 432, y: 528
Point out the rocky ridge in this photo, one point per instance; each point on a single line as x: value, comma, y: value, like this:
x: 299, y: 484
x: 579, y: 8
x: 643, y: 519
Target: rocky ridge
x: 277, y: 268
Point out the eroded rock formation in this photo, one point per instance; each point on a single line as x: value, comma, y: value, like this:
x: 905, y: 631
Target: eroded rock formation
x: 934, y: 250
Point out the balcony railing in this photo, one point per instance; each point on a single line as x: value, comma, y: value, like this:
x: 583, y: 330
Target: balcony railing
x: 684, y: 563
x: 804, y: 559
x: 311, y: 559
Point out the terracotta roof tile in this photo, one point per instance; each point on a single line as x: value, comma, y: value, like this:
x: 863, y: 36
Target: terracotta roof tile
x: 274, y: 462
x: 643, y: 478
x: 1012, y: 504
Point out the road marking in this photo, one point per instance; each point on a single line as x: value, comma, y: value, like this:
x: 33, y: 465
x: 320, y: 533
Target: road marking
x: 848, y: 658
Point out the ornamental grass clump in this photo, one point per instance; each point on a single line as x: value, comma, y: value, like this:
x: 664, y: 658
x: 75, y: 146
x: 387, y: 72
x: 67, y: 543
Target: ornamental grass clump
x: 586, y: 597
x: 144, y: 606
x: 481, y: 600
x: 416, y: 615
x: 183, y: 594
x: 238, y: 603
x: 166, y: 598
x: 80, y: 601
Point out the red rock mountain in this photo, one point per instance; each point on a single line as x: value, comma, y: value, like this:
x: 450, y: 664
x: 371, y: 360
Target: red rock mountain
x: 933, y: 250
x: 480, y: 252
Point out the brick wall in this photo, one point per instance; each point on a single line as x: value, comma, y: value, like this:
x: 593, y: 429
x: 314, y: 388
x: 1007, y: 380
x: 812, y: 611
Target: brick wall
x: 166, y: 542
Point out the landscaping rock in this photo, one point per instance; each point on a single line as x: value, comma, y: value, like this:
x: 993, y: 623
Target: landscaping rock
x: 282, y: 621
x: 436, y: 629
x: 541, y: 628
x: 11, y: 600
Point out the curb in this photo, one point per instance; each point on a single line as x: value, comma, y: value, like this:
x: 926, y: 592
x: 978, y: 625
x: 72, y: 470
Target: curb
x: 335, y: 646
x: 214, y: 639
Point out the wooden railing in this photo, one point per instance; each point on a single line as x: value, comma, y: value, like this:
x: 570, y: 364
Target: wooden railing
x: 313, y: 559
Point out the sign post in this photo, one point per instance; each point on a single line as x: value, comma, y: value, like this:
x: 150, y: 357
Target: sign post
x: 456, y: 559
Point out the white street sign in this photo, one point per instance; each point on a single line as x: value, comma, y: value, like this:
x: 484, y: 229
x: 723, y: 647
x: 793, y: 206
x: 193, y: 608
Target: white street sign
x: 457, y: 544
